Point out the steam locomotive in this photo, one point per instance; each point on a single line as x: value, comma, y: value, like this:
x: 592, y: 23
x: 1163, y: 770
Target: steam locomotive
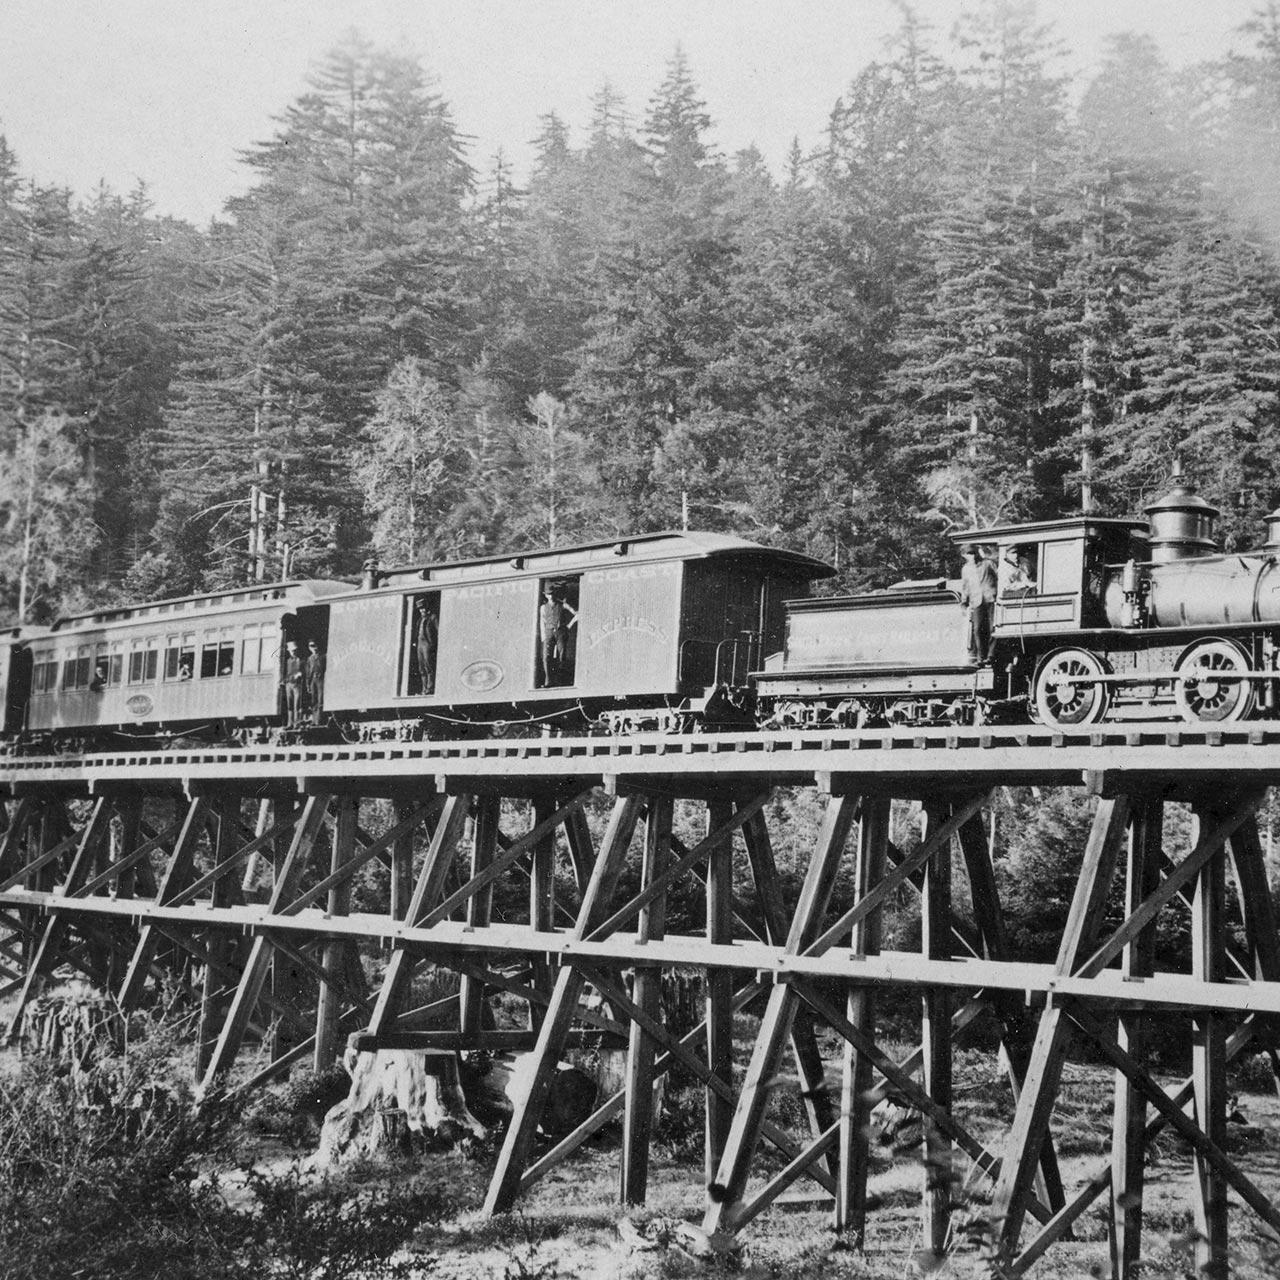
x: 671, y: 632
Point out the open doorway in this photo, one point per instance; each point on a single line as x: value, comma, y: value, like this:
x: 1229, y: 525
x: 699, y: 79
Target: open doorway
x: 557, y: 656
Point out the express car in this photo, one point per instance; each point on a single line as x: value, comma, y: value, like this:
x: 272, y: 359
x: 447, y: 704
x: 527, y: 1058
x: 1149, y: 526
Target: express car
x: 656, y: 631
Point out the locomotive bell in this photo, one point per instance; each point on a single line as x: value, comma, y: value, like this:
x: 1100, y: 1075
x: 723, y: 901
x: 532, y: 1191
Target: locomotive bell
x: 1181, y: 523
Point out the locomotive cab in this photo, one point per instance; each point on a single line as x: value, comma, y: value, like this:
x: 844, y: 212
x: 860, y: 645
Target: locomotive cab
x: 1064, y: 564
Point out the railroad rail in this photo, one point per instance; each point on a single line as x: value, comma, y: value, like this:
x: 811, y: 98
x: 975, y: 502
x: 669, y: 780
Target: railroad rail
x: 234, y: 872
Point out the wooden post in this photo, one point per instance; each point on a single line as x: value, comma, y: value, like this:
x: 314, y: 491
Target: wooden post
x: 1035, y: 1105
x: 719, y: 988
x: 426, y: 894
x: 856, y: 1078
x: 775, y: 1027
x: 45, y: 957
x: 527, y: 1106
x: 484, y: 843
x: 936, y: 1039
x: 305, y: 833
x: 581, y: 854
x: 1261, y: 926
x: 1128, y: 1134
x: 401, y: 864
x: 226, y: 811
x: 1208, y: 1068
x: 1015, y: 1026
x: 285, y: 977
x: 802, y: 1038
x: 329, y: 999
x: 542, y: 901
x: 637, y: 1123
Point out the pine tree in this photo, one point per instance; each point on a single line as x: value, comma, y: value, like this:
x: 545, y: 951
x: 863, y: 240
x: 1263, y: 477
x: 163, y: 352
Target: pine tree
x: 348, y: 255
x: 976, y: 364
x: 410, y: 465
x: 46, y: 521
x: 662, y: 319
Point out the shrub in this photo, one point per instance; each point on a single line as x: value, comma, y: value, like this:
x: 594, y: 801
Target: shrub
x: 106, y: 1180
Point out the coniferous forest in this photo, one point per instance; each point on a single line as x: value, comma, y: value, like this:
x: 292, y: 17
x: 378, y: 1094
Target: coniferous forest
x: 991, y: 292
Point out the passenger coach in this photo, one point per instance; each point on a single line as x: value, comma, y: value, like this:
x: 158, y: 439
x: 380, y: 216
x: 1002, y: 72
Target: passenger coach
x: 207, y: 663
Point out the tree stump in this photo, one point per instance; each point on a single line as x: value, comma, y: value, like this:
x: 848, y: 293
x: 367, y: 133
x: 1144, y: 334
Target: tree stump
x: 73, y: 1026
x: 401, y: 1102
x: 571, y: 1095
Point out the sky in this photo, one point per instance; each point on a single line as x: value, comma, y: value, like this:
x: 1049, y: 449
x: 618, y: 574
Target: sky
x: 168, y: 92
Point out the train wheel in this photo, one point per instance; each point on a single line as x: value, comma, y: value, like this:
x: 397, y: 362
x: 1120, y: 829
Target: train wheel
x: 1069, y: 690
x: 1207, y: 687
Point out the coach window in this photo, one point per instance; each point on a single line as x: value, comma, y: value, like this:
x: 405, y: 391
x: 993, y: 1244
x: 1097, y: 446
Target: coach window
x: 44, y: 674
x: 75, y: 671
x: 251, y: 650
x: 557, y: 632
x: 115, y: 666
x: 217, y: 657
x: 143, y: 661
x: 180, y: 657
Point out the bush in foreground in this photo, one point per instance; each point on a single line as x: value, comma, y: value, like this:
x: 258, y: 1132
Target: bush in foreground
x: 104, y: 1177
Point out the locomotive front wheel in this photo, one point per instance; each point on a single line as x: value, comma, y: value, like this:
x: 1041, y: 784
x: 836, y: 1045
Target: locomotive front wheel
x: 1069, y: 689
x: 1207, y: 687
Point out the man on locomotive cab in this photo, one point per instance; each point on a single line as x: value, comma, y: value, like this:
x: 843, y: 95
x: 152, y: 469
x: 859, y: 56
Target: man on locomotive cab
x: 99, y: 678
x: 978, y: 598
x: 1013, y: 576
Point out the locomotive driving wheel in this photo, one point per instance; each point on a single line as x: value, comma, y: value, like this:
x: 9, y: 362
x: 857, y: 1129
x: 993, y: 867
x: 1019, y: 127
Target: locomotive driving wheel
x: 1069, y: 690
x: 1208, y: 686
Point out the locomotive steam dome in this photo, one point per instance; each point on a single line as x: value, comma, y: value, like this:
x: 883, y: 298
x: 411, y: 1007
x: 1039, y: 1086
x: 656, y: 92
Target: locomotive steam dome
x: 1181, y: 523
x: 1272, y: 545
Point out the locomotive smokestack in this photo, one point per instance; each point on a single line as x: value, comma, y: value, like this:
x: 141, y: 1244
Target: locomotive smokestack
x: 1182, y: 523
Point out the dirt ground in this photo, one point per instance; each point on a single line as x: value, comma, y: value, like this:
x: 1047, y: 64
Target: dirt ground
x: 570, y: 1224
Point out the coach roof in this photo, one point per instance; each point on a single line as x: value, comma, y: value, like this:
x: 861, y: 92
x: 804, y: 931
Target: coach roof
x: 644, y: 547
x: 232, y: 599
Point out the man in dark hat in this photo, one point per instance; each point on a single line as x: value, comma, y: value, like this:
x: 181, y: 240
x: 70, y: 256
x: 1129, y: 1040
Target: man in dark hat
x: 315, y: 665
x: 978, y: 599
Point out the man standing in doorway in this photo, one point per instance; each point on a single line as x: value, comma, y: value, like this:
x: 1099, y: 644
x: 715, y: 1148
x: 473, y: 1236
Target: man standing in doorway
x: 315, y: 679
x: 293, y: 675
x: 978, y: 598
x: 555, y: 617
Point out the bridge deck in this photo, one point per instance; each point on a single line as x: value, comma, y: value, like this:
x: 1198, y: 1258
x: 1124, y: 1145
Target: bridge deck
x: 994, y: 754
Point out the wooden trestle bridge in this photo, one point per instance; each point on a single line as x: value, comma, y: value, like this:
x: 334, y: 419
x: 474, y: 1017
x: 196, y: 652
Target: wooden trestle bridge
x: 236, y: 868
